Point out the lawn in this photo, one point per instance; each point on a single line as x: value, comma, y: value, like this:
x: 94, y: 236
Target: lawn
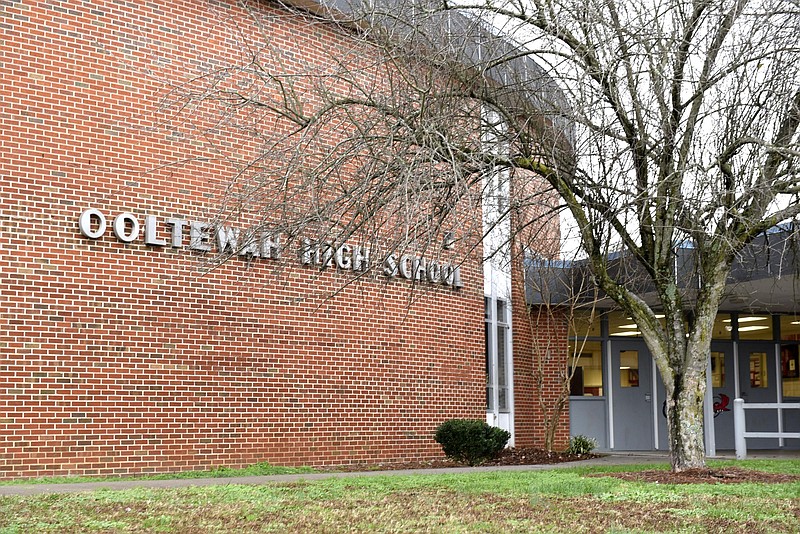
x: 564, y: 500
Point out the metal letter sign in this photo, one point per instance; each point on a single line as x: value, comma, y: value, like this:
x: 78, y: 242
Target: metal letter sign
x: 254, y: 244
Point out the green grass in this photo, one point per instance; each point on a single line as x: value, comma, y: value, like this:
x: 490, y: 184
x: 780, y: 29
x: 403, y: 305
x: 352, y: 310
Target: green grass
x: 789, y: 467
x: 562, y: 500
x: 260, y: 469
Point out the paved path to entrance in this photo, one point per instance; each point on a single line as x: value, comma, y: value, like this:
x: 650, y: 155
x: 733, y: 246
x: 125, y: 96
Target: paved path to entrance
x: 617, y: 458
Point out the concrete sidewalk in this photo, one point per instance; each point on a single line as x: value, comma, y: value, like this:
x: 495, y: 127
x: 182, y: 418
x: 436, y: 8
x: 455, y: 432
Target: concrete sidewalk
x: 616, y: 458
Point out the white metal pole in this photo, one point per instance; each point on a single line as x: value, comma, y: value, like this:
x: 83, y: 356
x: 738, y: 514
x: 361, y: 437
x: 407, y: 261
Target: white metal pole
x: 739, y: 429
x: 708, y: 414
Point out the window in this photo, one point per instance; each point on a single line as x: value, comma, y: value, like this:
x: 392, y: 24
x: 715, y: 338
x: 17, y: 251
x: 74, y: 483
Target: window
x: 790, y: 370
x: 790, y: 355
x: 493, y: 137
x: 790, y: 328
x: 496, y: 335
x: 755, y: 327
x: 489, y: 343
x: 619, y: 324
x: 722, y: 326
x: 718, y: 369
x: 629, y: 369
x: 587, y: 376
x: 584, y: 324
x: 758, y: 370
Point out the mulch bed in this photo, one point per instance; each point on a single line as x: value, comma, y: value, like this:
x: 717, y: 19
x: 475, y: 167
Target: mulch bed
x: 531, y: 456
x: 722, y: 475
x: 511, y: 456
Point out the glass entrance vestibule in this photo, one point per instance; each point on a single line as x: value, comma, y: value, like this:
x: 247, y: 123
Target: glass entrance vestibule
x: 617, y: 396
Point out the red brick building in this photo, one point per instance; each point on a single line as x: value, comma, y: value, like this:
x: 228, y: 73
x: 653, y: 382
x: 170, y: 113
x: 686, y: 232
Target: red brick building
x: 122, y: 352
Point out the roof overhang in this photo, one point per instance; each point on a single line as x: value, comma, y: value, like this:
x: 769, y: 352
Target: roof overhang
x: 765, y: 277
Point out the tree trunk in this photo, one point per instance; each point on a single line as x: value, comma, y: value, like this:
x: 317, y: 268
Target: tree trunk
x: 554, y: 418
x: 685, y: 421
x: 683, y: 366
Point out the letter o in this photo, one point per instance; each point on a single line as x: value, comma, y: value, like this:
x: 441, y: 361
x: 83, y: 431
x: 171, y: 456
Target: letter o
x: 405, y: 266
x: 85, y: 223
x: 120, y: 227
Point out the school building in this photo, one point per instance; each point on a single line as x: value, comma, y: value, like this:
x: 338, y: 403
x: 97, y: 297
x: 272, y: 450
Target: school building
x: 124, y: 352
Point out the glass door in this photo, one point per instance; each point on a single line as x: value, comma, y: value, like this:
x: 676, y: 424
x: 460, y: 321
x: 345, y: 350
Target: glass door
x: 631, y: 379
x: 723, y: 391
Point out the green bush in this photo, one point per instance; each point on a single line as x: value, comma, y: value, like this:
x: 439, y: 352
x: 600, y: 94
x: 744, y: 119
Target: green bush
x: 471, y: 441
x: 581, y: 445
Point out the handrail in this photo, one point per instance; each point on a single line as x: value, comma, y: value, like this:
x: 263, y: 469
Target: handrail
x: 739, y: 428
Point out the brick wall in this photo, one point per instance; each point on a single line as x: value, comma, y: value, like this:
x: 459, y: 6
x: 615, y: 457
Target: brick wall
x: 126, y: 357
x: 540, y: 332
x: 540, y: 348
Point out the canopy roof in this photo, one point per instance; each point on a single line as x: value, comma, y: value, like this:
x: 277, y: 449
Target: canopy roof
x: 765, y: 277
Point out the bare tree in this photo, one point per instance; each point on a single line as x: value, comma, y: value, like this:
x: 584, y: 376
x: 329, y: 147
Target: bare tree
x: 564, y: 300
x: 687, y: 117
x: 656, y: 124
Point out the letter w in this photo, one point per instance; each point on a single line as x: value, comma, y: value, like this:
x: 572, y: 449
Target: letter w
x: 227, y: 237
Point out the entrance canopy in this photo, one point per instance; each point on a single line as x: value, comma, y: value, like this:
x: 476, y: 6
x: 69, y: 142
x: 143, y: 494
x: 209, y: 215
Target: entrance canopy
x: 765, y: 277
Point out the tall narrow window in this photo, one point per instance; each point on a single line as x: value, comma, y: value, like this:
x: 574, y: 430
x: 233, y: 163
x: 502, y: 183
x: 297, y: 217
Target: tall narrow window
x: 497, y: 188
x: 497, y: 355
x: 758, y: 370
x: 718, y: 369
x: 502, y: 355
x: 489, y: 345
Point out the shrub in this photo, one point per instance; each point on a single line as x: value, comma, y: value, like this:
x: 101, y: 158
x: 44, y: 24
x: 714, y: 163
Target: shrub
x: 581, y: 445
x: 471, y: 441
